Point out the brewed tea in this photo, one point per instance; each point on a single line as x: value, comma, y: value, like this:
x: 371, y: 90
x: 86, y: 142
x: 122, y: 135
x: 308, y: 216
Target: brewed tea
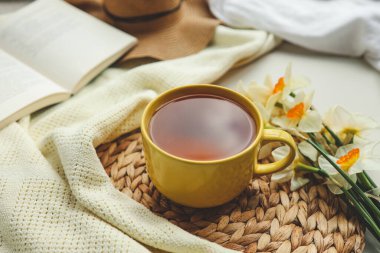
x: 202, y: 127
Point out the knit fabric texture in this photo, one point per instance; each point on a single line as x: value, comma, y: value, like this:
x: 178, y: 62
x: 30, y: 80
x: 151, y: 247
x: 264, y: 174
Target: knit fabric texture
x: 54, y: 193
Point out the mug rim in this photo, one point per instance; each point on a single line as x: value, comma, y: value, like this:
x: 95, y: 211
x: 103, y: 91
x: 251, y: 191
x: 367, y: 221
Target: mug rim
x: 243, y: 152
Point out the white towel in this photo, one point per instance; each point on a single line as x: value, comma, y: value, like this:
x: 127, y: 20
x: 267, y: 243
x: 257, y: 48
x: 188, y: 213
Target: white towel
x: 54, y: 193
x: 345, y: 27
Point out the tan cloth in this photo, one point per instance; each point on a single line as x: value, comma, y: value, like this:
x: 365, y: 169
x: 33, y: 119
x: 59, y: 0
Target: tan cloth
x: 181, y: 33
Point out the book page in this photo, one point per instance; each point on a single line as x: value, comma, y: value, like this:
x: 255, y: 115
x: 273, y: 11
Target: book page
x: 60, y: 41
x: 21, y: 86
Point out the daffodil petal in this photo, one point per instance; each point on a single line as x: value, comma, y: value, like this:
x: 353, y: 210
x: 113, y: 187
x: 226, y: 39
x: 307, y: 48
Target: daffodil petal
x: 264, y: 113
x: 265, y: 150
x: 372, y: 150
x: 343, y: 150
x: 368, y: 164
x: 288, y: 74
x: 368, y: 134
x: 282, y: 176
x: 334, y: 189
x: 255, y: 92
x: 294, y: 84
x: 308, y: 150
x: 356, y: 168
x: 259, y: 93
x: 364, y: 122
x: 284, y: 122
x: 337, y: 118
x: 311, y: 122
x: 309, y: 99
x: 271, y: 102
x: 358, y: 140
x: 300, y: 97
x: 326, y: 166
x: 375, y: 191
x: 353, y: 178
x: 289, y: 102
x: 298, y: 182
x: 268, y: 82
x: 280, y: 152
x: 342, y: 182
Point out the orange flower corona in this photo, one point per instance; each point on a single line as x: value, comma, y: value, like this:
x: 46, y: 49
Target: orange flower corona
x: 280, y: 85
x: 349, y: 159
x: 296, y: 112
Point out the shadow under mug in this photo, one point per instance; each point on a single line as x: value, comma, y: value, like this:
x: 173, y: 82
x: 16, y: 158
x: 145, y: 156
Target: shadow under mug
x: 215, y: 182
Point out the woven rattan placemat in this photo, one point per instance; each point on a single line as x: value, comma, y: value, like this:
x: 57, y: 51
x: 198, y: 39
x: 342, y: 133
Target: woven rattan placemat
x: 266, y: 217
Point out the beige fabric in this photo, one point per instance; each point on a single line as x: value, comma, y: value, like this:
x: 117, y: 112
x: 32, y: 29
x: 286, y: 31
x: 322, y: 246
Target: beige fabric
x: 54, y: 193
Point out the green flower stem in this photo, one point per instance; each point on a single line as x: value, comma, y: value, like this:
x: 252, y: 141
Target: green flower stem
x: 369, y: 179
x: 363, y: 214
x: 312, y: 136
x: 309, y: 168
x: 336, y: 138
x: 364, y: 181
x: 367, y: 201
x: 369, y: 185
x: 326, y: 139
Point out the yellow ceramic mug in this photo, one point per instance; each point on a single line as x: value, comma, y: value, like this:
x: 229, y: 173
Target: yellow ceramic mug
x: 209, y: 183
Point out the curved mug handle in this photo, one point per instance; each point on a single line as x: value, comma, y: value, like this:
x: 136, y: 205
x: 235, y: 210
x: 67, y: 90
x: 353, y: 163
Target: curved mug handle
x: 271, y: 135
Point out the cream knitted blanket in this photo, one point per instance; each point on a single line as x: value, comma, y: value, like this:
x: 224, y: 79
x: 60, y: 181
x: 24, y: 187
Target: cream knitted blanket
x: 54, y: 193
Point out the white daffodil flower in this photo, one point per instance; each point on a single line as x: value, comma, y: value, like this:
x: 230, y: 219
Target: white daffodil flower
x: 266, y: 96
x: 290, y: 174
x: 343, y: 122
x: 298, y: 114
x: 334, y: 188
x: 352, y: 159
x: 308, y: 150
x: 263, y: 96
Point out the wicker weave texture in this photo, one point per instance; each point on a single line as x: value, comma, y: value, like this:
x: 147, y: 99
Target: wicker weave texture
x: 265, y: 217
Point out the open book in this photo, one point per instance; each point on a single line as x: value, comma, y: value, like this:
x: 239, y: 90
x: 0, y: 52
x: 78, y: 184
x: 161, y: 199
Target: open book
x: 48, y: 51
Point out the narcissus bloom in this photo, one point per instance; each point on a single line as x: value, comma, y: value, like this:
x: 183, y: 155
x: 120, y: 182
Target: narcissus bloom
x: 352, y: 159
x: 266, y: 96
x: 342, y: 121
x: 298, y: 114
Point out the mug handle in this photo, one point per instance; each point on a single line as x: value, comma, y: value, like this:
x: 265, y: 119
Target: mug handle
x: 271, y: 135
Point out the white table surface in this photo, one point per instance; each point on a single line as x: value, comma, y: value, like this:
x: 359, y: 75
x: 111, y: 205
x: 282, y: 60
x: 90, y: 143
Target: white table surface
x: 349, y: 82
